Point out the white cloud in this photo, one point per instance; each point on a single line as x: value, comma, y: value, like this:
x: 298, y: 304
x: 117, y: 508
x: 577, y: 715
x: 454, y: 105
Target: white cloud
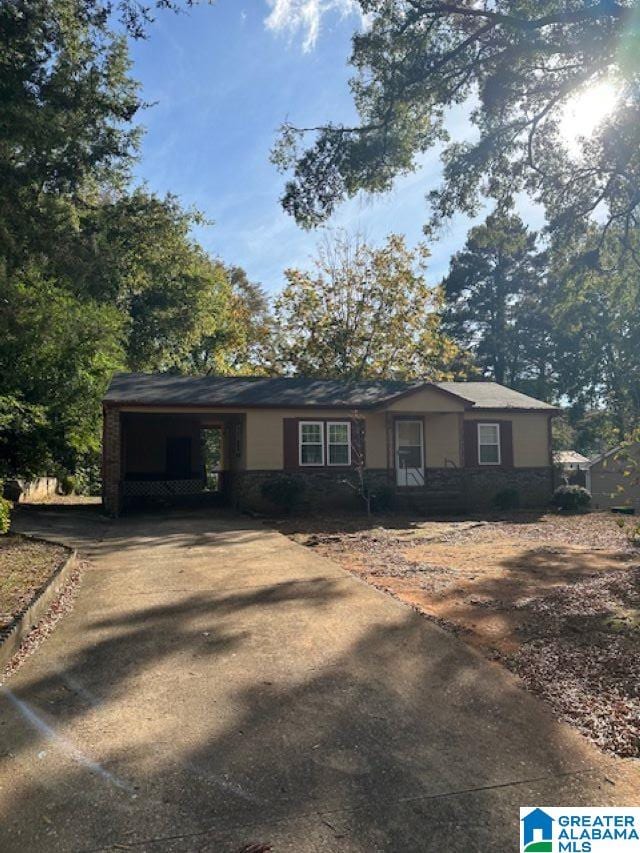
x: 305, y: 17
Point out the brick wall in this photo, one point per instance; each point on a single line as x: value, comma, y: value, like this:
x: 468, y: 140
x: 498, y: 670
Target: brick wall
x: 534, y: 485
x: 111, y: 462
x: 453, y: 488
x: 325, y: 490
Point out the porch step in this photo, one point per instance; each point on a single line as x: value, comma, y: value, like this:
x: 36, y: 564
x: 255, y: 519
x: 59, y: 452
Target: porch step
x: 430, y: 502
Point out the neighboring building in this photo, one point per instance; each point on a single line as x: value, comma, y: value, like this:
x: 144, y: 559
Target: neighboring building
x: 460, y: 441
x: 571, y: 460
x: 570, y: 467
x: 614, y: 478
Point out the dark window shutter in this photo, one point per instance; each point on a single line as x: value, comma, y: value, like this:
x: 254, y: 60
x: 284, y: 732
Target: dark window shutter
x: 470, y: 444
x: 290, y: 445
x: 358, y: 443
x: 506, y: 443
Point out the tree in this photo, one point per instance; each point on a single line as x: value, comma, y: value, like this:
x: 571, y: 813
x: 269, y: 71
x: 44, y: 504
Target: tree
x: 597, y: 337
x: 364, y: 312
x: 590, y: 431
x: 253, y: 323
x: 68, y: 103
x: 57, y: 354
x: 135, y: 251
x: 516, y: 63
x: 93, y: 276
x: 126, y: 289
x: 493, y: 295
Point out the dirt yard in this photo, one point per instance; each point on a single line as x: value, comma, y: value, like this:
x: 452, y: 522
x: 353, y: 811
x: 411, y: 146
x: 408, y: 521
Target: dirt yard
x: 25, y: 567
x: 556, y: 599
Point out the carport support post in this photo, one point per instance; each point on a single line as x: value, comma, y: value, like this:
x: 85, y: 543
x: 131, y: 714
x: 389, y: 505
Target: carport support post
x: 111, y: 461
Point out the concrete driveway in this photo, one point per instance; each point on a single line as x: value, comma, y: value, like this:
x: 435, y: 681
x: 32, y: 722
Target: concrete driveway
x: 217, y: 685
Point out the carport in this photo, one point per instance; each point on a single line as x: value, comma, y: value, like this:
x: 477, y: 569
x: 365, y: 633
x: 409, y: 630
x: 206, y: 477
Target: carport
x: 176, y: 457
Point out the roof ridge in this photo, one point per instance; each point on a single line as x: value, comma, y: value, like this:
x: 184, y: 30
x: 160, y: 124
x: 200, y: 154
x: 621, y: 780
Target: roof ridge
x: 257, y: 377
x: 277, y: 391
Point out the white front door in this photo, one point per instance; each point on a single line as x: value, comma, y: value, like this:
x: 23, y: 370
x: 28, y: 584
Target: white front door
x: 409, y: 453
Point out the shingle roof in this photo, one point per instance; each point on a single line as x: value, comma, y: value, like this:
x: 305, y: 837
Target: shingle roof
x: 159, y: 388
x: 171, y: 390
x: 490, y: 395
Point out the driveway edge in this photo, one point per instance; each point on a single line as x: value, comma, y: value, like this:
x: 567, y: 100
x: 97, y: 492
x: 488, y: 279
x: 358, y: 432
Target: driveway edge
x: 12, y: 636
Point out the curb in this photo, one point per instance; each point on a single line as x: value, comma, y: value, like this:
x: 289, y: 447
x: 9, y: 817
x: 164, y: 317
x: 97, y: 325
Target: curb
x: 14, y: 633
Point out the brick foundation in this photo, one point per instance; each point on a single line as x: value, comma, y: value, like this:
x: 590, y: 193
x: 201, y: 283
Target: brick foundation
x: 448, y: 488
x: 534, y: 485
x: 326, y: 490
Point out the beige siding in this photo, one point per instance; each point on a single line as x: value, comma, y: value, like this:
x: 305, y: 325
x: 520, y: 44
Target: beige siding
x: 376, y: 439
x: 530, y: 435
x: 442, y: 440
x: 264, y: 439
x: 609, y: 484
x: 428, y: 400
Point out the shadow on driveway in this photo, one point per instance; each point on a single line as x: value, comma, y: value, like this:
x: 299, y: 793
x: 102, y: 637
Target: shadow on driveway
x: 299, y: 708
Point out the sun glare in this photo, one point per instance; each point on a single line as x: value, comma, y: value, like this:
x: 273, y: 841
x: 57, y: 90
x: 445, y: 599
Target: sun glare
x: 582, y: 115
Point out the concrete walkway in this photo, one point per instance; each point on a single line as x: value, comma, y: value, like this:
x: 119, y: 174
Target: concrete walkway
x: 217, y: 684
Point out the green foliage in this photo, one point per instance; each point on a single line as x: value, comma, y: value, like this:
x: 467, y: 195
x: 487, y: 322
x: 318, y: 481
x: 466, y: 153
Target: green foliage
x: 5, y: 513
x: 519, y: 63
x: 627, y: 460
x: 284, y: 491
x: 631, y: 531
x: 633, y: 535
x: 493, y: 296
x: 571, y: 498
x: 597, y: 338
x: 564, y: 434
x: 179, y: 303
x: 88, y: 476
x: 364, y: 312
x: 590, y: 431
x: 67, y: 483
x: 94, y: 277
x: 67, y: 104
x: 507, y: 499
x: 62, y: 352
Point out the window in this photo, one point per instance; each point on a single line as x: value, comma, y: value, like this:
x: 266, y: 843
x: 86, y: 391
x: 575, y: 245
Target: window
x: 489, y: 444
x: 339, y: 443
x: 311, y: 443
x: 322, y: 444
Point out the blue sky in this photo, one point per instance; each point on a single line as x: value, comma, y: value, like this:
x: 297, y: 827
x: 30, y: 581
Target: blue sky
x: 222, y: 79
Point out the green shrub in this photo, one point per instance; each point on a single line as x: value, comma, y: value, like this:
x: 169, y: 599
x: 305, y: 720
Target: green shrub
x: 571, y: 498
x: 11, y: 490
x: 631, y: 530
x: 283, y: 491
x: 88, y: 480
x: 5, y: 515
x: 382, y: 498
x: 507, y: 499
x: 67, y: 484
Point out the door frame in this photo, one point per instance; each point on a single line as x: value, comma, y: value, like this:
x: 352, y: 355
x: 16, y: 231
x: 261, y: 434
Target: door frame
x: 411, y: 419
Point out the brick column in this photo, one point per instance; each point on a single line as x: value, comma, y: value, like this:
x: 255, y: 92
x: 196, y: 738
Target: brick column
x: 111, y: 461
